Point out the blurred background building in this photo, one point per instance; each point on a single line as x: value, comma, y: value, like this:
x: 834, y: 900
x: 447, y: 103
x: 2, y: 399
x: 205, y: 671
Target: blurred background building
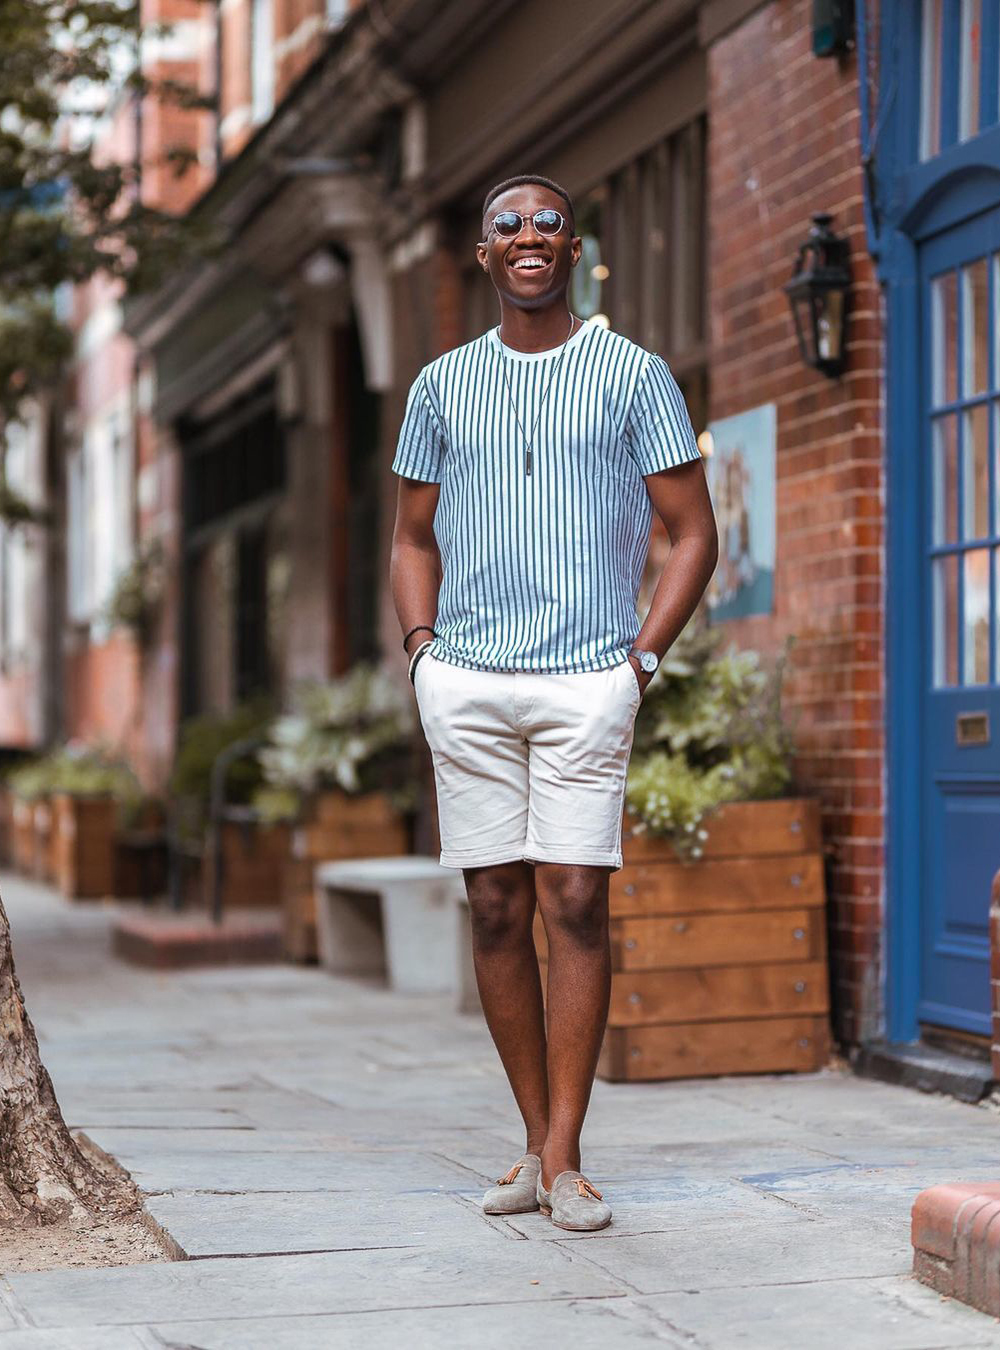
x: 232, y: 432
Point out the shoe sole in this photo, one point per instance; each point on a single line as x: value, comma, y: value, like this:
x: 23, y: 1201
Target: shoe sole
x: 579, y: 1227
x: 528, y: 1209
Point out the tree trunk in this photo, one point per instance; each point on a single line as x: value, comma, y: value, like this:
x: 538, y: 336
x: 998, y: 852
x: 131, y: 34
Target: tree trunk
x: 44, y: 1176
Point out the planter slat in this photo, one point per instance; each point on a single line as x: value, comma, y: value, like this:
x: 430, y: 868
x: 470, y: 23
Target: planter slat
x: 683, y: 941
x: 655, y: 996
x: 705, y: 1049
x: 738, y: 830
x: 727, y: 885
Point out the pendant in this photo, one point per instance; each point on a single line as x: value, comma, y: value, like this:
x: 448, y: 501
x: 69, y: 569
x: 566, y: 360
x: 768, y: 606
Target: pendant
x: 527, y: 459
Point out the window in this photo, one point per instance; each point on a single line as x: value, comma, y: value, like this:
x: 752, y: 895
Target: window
x: 959, y: 72
x: 261, y: 60
x: 99, y: 478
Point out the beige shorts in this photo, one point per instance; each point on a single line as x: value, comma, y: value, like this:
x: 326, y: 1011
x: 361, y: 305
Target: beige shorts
x: 528, y: 765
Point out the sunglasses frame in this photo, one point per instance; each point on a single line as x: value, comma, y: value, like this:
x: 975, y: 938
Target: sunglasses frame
x: 524, y: 219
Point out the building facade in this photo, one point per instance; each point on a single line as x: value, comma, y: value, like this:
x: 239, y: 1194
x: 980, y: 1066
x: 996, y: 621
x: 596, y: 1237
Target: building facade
x: 345, y: 170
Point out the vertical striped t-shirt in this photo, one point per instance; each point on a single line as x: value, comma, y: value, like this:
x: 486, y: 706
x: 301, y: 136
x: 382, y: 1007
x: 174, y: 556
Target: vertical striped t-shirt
x: 541, y: 569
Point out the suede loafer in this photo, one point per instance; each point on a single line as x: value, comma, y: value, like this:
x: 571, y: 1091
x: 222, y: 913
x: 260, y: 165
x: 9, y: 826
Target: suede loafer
x: 573, y: 1203
x: 516, y: 1193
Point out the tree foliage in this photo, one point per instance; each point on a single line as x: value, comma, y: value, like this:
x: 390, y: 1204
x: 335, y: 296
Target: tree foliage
x: 68, y: 212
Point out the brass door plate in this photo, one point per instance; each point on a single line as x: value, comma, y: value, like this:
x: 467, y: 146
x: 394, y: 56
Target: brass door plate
x: 972, y: 728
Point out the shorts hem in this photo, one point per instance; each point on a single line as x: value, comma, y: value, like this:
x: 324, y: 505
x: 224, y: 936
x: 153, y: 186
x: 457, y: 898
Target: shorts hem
x: 475, y: 857
x: 583, y: 857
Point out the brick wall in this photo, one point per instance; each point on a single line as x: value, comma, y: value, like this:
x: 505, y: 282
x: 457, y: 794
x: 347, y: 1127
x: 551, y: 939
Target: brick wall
x: 783, y: 143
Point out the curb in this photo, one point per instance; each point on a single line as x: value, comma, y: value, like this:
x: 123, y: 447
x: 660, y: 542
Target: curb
x: 956, y: 1242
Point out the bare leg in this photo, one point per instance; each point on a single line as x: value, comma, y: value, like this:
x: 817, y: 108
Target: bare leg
x: 502, y: 907
x: 573, y: 901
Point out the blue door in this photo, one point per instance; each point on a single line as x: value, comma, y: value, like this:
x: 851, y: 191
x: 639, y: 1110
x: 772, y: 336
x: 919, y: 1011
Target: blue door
x: 959, y: 464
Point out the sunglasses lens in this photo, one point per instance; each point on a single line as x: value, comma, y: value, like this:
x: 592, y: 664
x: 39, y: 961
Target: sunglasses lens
x: 507, y: 224
x: 548, y: 222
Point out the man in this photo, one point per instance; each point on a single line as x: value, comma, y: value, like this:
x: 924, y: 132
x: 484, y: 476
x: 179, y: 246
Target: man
x: 530, y: 462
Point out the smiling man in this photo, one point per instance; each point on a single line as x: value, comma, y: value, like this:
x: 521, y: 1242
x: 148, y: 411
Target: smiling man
x: 531, y: 460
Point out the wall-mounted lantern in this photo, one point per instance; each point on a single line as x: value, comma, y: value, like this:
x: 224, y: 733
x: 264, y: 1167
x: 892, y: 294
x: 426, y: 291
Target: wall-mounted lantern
x: 818, y: 294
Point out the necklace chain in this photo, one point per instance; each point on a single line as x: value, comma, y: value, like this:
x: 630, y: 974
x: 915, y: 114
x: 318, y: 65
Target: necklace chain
x: 530, y: 440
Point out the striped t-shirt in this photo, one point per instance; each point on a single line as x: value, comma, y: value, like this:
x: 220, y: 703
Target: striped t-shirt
x: 541, y: 569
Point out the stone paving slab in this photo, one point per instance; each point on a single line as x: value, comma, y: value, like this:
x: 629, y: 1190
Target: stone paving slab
x: 217, y: 1169
x: 723, y: 1254
x: 79, y: 1338
x: 276, y: 1286
x: 594, y: 1324
x: 242, y: 1225
x: 895, y: 1314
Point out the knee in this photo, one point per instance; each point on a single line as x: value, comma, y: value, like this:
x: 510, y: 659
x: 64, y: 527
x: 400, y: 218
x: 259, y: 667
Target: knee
x: 578, y: 917
x: 499, y: 913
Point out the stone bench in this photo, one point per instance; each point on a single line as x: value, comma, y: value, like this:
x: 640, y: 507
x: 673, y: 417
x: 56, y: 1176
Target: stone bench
x: 394, y: 916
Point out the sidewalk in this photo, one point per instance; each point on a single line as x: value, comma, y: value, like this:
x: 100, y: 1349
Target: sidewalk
x: 326, y: 1143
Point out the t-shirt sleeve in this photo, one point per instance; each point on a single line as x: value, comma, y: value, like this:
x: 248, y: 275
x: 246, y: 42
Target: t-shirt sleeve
x: 659, y: 434
x: 420, y: 449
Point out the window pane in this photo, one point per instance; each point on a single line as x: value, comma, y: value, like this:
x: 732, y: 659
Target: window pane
x: 945, y: 620
x: 996, y: 320
x: 944, y: 338
x: 975, y: 328
x: 976, y: 474
x: 930, y: 80
x: 976, y: 640
x: 969, y: 70
x: 945, y: 465
x: 996, y: 616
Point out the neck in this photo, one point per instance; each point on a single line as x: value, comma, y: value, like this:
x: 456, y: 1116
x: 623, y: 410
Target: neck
x: 534, y: 330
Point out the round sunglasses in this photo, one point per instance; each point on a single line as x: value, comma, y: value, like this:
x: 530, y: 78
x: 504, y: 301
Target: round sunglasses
x: 509, y: 224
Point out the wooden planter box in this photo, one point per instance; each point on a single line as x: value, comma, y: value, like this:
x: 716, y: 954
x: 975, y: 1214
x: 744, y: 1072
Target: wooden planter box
x: 83, y: 835
x: 6, y: 825
x: 336, y: 826
x: 253, y: 864
x: 719, y: 966
x: 44, y: 862
x: 22, y: 835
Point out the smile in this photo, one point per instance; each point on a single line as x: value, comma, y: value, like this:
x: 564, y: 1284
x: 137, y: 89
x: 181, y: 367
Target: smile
x: 530, y: 261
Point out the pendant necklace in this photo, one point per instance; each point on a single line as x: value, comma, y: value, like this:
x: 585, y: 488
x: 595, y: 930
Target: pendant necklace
x: 530, y: 440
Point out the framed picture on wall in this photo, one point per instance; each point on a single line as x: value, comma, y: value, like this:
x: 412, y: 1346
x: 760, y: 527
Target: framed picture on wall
x: 741, y: 477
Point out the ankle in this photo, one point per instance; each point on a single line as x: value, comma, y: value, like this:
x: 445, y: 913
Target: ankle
x: 558, y: 1157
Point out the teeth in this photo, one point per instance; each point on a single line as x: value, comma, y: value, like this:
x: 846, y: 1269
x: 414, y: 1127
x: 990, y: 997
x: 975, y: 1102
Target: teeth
x: 530, y: 262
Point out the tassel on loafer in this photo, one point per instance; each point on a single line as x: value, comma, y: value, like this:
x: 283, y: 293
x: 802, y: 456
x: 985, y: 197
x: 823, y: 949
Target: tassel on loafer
x: 516, y: 1193
x: 574, y: 1203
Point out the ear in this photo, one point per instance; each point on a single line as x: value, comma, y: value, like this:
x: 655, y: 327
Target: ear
x: 575, y: 249
x: 483, y: 256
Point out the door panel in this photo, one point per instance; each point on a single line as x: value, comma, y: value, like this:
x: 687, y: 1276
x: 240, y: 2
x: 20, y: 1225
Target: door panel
x: 960, y: 567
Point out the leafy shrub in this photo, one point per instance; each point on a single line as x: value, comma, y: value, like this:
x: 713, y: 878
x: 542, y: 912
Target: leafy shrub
x: 81, y: 771
x: 354, y: 733
x: 710, y: 730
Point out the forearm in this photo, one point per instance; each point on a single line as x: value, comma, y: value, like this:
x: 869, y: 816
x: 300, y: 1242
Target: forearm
x: 415, y: 578
x: 682, y: 583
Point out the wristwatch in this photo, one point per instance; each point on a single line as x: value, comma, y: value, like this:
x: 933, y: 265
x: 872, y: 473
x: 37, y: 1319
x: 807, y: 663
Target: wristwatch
x: 648, y: 660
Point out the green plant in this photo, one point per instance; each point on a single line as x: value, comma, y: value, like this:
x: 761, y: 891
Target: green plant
x: 137, y: 593
x: 710, y: 730
x: 202, y: 740
x: 354, y: 733
x: 80, y: 771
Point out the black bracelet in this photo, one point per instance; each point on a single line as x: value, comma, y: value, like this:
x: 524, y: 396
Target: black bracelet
x: 421, y: 627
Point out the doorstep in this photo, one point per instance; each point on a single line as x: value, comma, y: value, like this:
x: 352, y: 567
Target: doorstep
x: 925, y: 1067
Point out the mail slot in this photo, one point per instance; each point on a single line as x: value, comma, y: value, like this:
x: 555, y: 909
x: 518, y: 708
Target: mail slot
x: 972, y: 728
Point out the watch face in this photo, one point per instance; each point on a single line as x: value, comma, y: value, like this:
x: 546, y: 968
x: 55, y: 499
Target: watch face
x: 649, y: 662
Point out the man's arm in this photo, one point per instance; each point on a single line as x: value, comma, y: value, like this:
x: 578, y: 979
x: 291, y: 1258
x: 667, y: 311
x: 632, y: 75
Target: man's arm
x: 681, y: 499
x: 415, y: 564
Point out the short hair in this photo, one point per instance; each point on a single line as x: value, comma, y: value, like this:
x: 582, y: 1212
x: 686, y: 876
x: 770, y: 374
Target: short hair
x: 523, y: 180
